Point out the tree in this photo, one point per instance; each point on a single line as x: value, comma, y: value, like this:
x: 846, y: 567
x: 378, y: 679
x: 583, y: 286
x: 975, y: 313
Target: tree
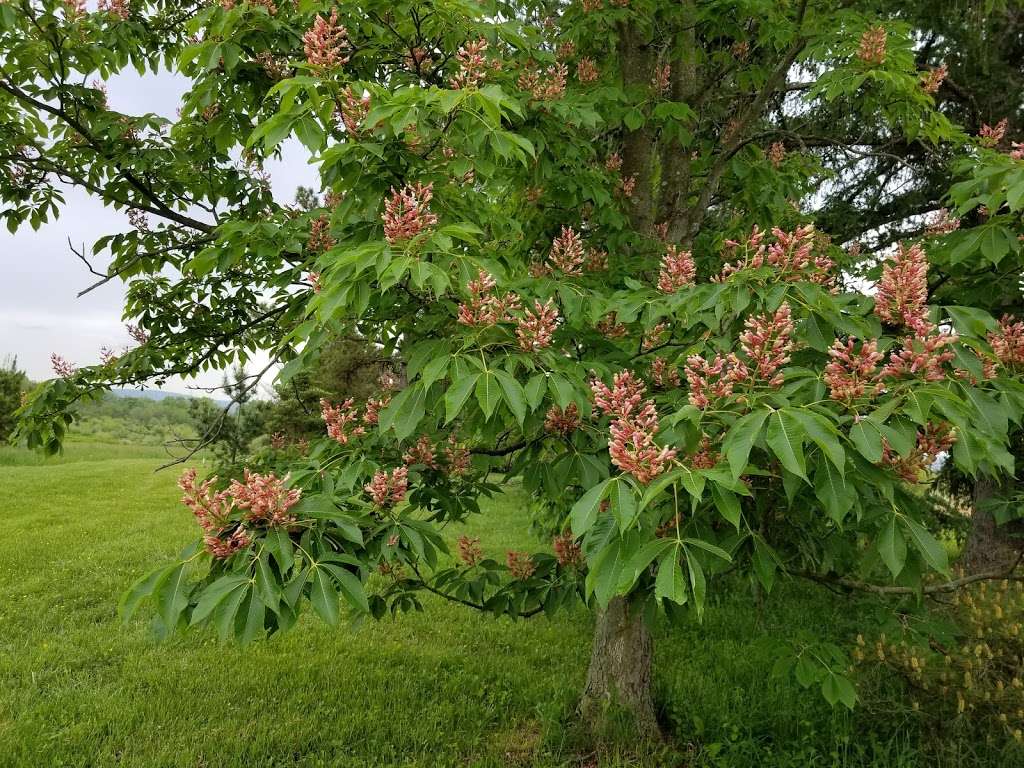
x: 12, y: 383
x: 228, y: 431
x: 553, y: 215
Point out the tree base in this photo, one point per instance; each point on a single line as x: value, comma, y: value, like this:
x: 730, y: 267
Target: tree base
x: 617, y: 702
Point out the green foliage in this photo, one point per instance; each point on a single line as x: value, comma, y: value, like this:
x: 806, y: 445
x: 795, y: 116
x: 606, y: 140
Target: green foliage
x: 443, y: 241
x: 12, y: 384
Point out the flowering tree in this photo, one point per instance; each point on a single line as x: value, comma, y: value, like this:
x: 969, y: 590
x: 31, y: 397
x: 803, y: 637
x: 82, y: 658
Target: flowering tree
x: 579, y: 227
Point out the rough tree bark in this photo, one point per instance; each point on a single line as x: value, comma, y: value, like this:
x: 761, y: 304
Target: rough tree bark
x: 989, y: 545
x: 619, y: 679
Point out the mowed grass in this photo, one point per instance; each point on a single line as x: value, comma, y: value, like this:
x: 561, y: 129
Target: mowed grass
x: 445, y: 687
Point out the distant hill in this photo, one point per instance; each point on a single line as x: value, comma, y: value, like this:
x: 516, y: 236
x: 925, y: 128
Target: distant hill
x: 159, y: 394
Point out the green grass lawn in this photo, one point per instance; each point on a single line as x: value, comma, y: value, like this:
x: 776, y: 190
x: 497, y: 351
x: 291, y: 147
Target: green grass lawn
x: 445, y: 687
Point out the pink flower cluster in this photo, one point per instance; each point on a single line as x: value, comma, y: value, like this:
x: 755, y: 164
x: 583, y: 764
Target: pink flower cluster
x: 935, y: 439
x: 677, y: 270
x: 536, y: 327
x: 567, y: 550
x: 792, y: 256
x: 469, y: 550
x: 872, y: 46
x: 320, y: 239
x: 326, y: 43
x: 903, y: 288
x: 663, y: 375
x: 921, y: 354
x: 520, y: 564
x: 942, y: 223
x: 457, y: 456
x: 850, y: 374
x: 265, y: 498
x: 1008, y: 342
x: 62, y: 367
x: 1017, y: 150
x: 353, y: 110
x: 713, y: 380
x: 932, y: 80
x: 472, y: 65
x: 485, y: 307
x: 374, y: 405
x: 991, y: 136
x: 662, y: 78
x: 407, y: 213
x: 634, y: 424
x: 567, y: 252
x: 586, y: 70
x: 421, y: 453
x: 119, y: 8
x: 562, y: 422
x: 387, y: 490
x: 767, y: 341
x: 546, y: 86
x: 776, y: 153
x: 705, y: 457
x: 138, y: 333
x: 341, y: 420
x: 653, y: 336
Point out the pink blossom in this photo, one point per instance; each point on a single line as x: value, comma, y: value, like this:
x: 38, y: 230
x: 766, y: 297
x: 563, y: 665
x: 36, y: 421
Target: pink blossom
x: 388, y: 490
x: 469, y: 550
x: 662, y: 375
x: 265, y: 498
x: 677, y: 270
x: 1017, y: 150
x: 932, y: 80
x: 320, y: 239
x: 613, y: 163
x: 457, y: 456
x: 568, y: 552
x: 713, y: 380
x: 596, y: 260
x: 108, y: 356
x: 849, y: 375
x: 1008, y: 342
x: 627, y: 185
x: 586, y: 70
x: 485, y: 307
x: 546, y: 86
x: 421, y: 453
x: 314, y: 281
x: 903, y: 288
x: 767, y: 341
x: 662, y: 78
x: 991, y: 136
x: 472, y: 65
x: 407, y: 214
x: 635, y: 422
x: 935, y: 439
x: 74, y: 9
x: 567, y: 253
x: 353, y: 110
x: 339, y: 419
x: 374, y: 405
x: 704, y: 457
x: 138, y: 333
x: 119, y: 8
x: 921, y: 355
x: 62, y: 367
x: 326, y: 43
x: 520, y: 564
x: 942, y: 223
x: 653, y: 336
x: 559, y: 422
x: 536, y: 327
x: 776, y: 153
x: 872, y: 46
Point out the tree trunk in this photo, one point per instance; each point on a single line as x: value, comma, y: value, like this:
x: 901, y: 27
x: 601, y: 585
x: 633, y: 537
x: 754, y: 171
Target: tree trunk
x: 617, y: 695
x: 989, y: 546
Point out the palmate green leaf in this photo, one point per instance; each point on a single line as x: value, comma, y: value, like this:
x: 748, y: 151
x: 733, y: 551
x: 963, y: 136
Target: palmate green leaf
x: 350, y: 585
x: 824, y: 434
x: 254, y: 612
x: 697, y: 582
x: 741, y: 438
x: 892, y: 547
x: 834, y: 492
x: 488, y: 392
x: 670, y: 584
x: 584, y: 512
x: 515, y: 397
x: 226, y: 614
x: 457, y: 395
x: 215, y: 593
x: 867, y: 439
x: 140, y: 590
x: 323, y: 596
x: 623, y: 502
x: 931, y: 550
x: 709, y: 547
x: 172, y: 595
x: 785, y: 437
x: 727, y: 503
x: 838, y: 689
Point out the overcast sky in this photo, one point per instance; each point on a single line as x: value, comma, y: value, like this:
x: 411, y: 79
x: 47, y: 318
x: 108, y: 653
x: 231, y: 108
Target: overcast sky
x: 39, y: 311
